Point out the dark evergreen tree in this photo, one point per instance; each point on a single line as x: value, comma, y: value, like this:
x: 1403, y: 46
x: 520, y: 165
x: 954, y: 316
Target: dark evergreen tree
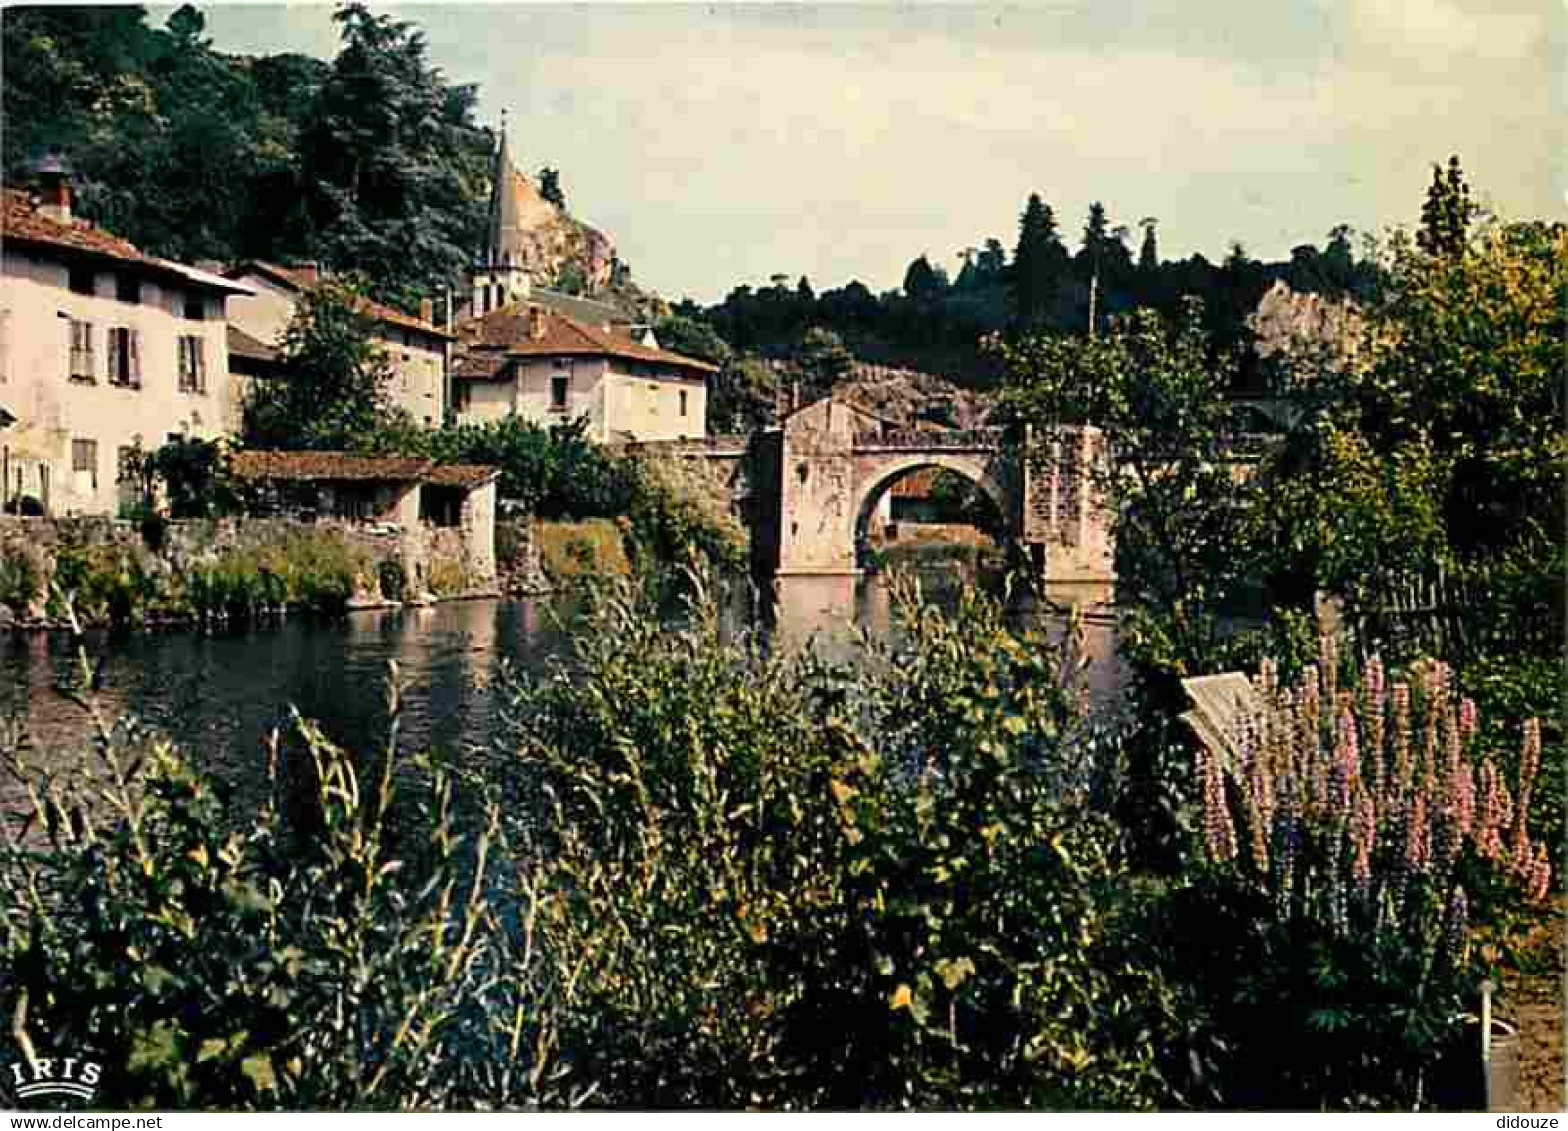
x: 550, y: 187
x: 922, y: 282
x: 1037, y: 265
x: 1445, y: 217
x: 1149, y: 253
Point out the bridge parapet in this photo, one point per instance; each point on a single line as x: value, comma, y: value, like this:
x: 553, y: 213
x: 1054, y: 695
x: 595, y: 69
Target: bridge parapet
x: 926, y: 440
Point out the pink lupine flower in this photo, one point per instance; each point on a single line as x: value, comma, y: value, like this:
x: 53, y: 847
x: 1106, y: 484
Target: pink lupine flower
x: 1529, y: 755
x: 1418, y: 840
x: 1219, y: 830
x: 1467, y: 719
x: 1464, y: 798
x: 1402, y: 763
x: 1540, y: 881
x: 1363, y: 838
x: 1347, y: 758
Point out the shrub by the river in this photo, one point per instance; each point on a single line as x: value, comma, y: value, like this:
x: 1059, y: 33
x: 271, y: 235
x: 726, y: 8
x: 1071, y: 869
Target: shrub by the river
x: 291, y: 962
x: 573, y: 552
x: 772, y: 881
x: 21, y: 580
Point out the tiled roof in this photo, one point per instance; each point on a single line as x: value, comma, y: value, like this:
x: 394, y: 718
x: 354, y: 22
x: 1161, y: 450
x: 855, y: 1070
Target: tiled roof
x: 510, y: 328
x: 303, y: 279
x: 341, y: 466
x: 244, y: 345
x: 21, y: 221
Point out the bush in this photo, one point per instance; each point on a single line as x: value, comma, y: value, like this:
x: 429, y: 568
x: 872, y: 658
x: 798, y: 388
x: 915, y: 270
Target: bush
x: 573, y: 552
x: 777, y: 882
x: 279, y: 965
x: 20, y: 579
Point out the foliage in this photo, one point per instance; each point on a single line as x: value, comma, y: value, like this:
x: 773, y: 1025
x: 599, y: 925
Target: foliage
x: 559, y: 473
x: 392, y: 579
x: 1446, y: 215
x: 550, y: 186
x: 573, y: 553
x: 332, y: 392
x: 1167, y: 469
x: 1358, y: 839
x: 21, y: 580
x: 193, y: 475
x: 777, y: 884
x: 295, y: 960
x: 1444, y: 451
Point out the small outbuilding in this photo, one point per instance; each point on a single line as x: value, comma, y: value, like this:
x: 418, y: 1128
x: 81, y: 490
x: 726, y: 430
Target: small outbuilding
x: 442, y: 511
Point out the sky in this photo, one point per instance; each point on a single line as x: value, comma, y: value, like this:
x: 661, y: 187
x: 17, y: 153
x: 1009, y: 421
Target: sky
x: 718, y: 144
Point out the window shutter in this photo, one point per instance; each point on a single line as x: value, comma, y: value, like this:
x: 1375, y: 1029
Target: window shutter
x: 199, y: 356
x: 114, y: 355
x: 134, y: 339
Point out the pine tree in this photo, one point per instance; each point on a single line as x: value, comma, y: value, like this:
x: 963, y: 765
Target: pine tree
x: 1445, y: 217
x: 1036, y: 264
x: 1149, y: 253
x: 550, y: 187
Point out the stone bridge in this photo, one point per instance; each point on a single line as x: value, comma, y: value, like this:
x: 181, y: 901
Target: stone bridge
x: 809, y: 490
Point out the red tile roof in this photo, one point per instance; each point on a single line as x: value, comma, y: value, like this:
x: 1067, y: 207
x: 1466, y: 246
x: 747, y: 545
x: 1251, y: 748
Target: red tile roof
x: 342, y: 466
x: 510, y: 330
x: 305, y: 278
x: 22, y: 222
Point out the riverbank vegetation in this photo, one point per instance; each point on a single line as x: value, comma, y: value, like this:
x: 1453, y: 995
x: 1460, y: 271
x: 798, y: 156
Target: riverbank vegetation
x: 694, y: 871
x: 125, y: 584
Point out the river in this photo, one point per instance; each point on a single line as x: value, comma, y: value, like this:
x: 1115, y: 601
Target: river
x: 219, y: 695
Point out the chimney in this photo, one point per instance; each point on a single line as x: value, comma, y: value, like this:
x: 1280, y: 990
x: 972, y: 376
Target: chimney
x: 309, y: 270
x: 54, y: 176
x: 536, y: 323
x: 427, y: 311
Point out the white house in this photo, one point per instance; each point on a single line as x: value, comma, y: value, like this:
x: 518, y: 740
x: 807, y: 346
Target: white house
x: 529, y: 361
x: 415, y: 348
x: 104, y: 350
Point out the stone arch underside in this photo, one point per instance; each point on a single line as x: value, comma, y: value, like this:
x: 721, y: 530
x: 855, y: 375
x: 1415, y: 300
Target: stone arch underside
x: 873, y: 482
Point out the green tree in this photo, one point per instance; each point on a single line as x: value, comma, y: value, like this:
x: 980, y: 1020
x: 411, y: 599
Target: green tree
x: 922, y: 282
x: 1037, y: 265
x: 1442, y: 448
x: 1149, y: 252
x: 1446, y: 215
x: 823, y: 361
x: 332, y: 393
x: 550, y: 187
x: 396, y: 167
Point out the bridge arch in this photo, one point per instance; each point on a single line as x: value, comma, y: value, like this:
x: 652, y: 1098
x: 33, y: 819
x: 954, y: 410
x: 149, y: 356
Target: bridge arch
x: 877, y: 479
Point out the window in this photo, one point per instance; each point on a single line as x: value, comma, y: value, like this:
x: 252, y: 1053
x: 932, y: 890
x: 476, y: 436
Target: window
x: 683, y: 402
x: 125, y: 359
x: 82, y: 367
x: 558, y: 387
x: 193, y: 364
x: 84, y: 460
x: 82, y: 280
x: 128, y: 288
x: 195, y: 308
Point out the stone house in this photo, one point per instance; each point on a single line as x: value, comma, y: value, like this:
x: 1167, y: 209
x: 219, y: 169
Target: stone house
x: 415, y: 348
x: 528, y: 360
x: 104, y: 350
x: 444, y: 513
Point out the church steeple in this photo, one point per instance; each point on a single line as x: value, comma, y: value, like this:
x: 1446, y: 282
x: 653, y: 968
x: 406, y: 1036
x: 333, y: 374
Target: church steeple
x: 503, y: 246
x: 503, y: 275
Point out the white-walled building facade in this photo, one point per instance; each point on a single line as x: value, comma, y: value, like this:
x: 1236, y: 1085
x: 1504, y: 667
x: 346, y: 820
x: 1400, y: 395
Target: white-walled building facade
x: 416, y: 349
x: 104, y: 351
x: 528, y: 361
